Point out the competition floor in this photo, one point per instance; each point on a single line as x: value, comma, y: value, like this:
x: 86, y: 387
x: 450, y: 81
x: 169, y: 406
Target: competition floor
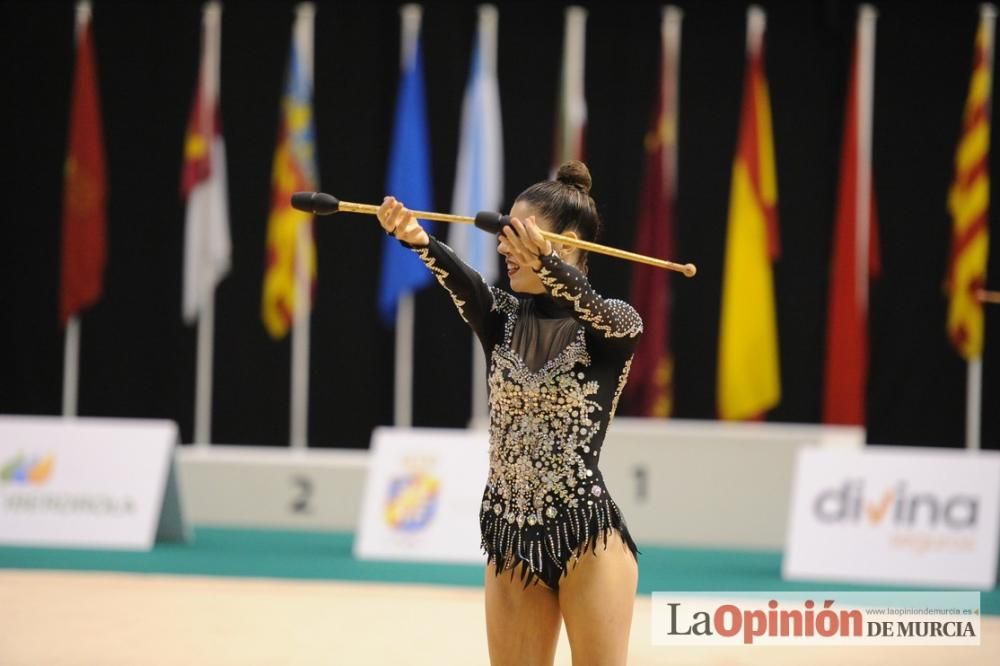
x: 251, y: 597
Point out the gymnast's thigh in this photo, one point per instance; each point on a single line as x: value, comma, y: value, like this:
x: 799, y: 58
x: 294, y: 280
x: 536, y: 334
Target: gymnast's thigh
x: 597, y: 596
x: 522, y: 623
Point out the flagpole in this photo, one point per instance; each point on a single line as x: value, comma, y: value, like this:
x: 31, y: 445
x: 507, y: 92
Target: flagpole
x: 867, y: 16
x: 71, y: 348
x: 299, y: 421
x: 862, y: 201
x: 487, y: 45
x: 203, y: 372
x: 974, y: 366
x: 670, y: 33
x: 71, y: 367
x: 211, y: 19
x: 403, y: 389
x: 410, y: 17
x: 300, y: 344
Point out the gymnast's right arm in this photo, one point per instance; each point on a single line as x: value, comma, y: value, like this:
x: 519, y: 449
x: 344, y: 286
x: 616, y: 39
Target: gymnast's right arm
x: 472, y: 296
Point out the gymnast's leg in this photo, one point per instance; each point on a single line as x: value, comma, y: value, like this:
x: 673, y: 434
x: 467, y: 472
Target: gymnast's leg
x: 522, y: 624
x: 596, y: 597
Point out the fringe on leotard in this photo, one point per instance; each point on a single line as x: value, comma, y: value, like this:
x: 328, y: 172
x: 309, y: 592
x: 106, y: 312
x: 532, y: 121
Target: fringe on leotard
x: 545, y: 551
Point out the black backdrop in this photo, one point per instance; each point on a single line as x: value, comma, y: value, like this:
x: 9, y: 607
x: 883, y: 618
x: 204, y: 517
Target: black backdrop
x: 137, y: 358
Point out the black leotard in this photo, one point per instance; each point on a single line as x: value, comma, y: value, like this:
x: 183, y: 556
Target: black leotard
x: 557, y: 365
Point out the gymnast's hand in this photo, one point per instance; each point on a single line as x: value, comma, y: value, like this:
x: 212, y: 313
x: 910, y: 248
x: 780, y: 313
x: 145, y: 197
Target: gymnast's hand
x: 524, y: 243
x: 399, y: 222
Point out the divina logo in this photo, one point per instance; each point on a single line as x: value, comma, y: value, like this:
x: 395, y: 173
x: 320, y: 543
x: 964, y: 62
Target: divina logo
x: 24, y: 470
x: 898, y: 506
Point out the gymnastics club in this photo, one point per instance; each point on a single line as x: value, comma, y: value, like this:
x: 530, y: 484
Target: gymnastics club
x: 319, y: 203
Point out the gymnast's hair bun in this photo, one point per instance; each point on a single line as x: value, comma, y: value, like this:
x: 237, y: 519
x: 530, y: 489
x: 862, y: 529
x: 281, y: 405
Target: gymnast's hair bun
x: 575, y: 174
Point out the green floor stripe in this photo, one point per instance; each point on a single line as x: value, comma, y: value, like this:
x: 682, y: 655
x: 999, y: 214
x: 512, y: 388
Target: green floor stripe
x: 328, y: 556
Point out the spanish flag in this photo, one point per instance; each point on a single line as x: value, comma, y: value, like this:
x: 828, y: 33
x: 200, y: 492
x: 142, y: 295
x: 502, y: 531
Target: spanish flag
x: 968, y: 203
x: 294, y: 170
x: 749, y: 381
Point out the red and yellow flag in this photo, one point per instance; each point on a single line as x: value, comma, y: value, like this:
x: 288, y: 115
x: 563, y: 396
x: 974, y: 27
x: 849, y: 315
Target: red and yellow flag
x: 84, y: 224
x: 649, y: 391
x: 749, y: 381
x: 969, y: 203
x: 294, y: 170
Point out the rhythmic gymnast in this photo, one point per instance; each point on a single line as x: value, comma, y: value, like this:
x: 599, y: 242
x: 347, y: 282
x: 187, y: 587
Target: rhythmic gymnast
x: 558, y: 356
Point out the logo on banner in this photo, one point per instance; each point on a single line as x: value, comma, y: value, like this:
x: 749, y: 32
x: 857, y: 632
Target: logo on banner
x: 412, y: 501
x: 896, y: 506
x: 24, y: 470
x: 952, y: 515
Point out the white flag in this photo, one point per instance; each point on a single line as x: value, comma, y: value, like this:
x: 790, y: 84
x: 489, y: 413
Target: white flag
x: 572, y: 119
x: 207, y: 246
x: 479, y: 172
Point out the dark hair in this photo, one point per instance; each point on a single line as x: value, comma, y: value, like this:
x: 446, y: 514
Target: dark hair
x: 566, y: 202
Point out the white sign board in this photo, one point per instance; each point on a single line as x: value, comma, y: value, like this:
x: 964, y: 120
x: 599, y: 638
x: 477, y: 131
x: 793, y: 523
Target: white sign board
x: 88, y: 483
x: 897, y: 515
x: 422, y: 495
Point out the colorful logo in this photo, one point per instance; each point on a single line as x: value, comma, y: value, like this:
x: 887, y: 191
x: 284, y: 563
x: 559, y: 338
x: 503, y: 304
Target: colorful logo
x: 24, y: 470
x: 412, y: 501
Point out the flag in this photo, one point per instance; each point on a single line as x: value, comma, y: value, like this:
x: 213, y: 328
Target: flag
x: 479, y: 172
x: 749, y: 381
x: 409, y: 180
x: 294, y: 170
x: 85, y: 188
x: 846, y: 376
x: 968, y: 203
x: 207, y: 245
x: 649, y: 391
x: 571, y: 117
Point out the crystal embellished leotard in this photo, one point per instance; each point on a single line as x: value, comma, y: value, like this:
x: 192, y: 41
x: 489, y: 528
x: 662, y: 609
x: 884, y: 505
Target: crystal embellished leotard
x: 557, y: 365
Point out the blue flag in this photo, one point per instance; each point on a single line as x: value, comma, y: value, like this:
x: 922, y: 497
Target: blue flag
x: 409, y: 180
x: 479, y: 171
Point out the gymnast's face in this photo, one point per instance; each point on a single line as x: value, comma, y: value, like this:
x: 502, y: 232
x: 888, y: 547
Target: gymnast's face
x: 522, y: 279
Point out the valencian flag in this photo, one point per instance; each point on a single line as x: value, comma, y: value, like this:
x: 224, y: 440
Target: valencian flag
x: 85, y: 189
x: 294, y: 170
x: 409, y: 178
x: 968, y: 203
x: 749, y: 382
x: 203, y: 180
x: 649, y: 391
x: 855, y: 245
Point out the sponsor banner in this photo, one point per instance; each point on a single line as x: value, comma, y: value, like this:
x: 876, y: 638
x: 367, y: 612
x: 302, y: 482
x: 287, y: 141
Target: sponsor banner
x: 422, y: 495
x: 895, y: 515
x: 816, y: 618
x: 88, y: 483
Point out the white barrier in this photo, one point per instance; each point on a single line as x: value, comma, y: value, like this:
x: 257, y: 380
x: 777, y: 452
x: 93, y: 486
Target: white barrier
x: 88, y: 482
x: 271, y: 487
x: 693, y: 483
